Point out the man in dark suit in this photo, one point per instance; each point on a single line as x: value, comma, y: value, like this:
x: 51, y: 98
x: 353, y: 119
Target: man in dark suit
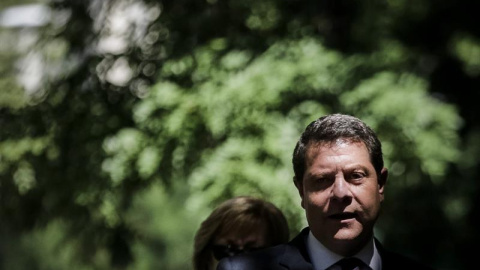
x: 339, y: 174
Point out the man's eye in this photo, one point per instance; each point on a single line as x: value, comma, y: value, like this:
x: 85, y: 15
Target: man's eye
x: 322, y: 179
x: 357, y: 176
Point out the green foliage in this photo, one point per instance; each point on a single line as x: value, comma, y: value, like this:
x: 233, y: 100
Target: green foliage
x: 50, y: 248
x: 164, y: 234
x: 245, y: 128
x: 467, y: 50
x: 11, y: 94
x: 117, y: 156
x: 397, y: 99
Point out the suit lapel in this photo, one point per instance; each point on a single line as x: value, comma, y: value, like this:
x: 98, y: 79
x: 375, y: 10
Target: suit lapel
x: 296, y: 255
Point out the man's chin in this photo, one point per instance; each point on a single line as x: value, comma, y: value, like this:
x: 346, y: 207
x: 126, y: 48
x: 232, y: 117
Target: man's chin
x: 346, y: 234
x: 346, y: 242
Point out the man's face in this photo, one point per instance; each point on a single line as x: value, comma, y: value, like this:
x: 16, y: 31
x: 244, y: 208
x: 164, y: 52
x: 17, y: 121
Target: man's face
x: 341, y: 195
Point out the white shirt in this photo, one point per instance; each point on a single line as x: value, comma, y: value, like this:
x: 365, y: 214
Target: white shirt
x: 323, y: 259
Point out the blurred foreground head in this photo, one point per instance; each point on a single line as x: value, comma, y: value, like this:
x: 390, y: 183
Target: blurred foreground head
x: 238, y: 225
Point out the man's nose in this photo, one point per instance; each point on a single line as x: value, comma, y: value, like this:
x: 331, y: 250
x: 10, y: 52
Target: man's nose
x: 341, y: 188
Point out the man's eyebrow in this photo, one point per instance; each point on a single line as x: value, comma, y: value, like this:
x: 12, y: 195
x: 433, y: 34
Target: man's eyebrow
x: 354, y: 168
x: 357, y: 166
x: 319, y: 173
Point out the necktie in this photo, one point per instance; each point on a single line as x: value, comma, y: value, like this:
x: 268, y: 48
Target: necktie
x: 350, y: 263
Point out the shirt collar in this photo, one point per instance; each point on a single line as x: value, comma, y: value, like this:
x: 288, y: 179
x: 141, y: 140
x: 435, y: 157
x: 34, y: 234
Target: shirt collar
x: 322, y: 258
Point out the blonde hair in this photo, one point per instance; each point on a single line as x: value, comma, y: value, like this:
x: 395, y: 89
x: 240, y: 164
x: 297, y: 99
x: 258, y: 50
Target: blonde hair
x: 240, y: 214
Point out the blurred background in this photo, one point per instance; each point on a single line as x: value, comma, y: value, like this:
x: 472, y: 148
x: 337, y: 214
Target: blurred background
x: 124, y: 122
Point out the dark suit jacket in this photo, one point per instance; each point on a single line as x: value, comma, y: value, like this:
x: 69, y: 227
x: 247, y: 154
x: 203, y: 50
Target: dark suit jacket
x: 294, y: 256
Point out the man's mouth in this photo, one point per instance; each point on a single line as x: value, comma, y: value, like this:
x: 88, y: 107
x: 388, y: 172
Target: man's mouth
x: 342, y: 216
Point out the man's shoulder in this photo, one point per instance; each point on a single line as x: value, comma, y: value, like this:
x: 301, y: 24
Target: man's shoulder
x: 394, y: 260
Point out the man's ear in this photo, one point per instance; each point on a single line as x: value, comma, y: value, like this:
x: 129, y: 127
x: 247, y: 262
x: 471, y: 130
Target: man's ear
x: 299, y: 186
x: 382, y: 180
